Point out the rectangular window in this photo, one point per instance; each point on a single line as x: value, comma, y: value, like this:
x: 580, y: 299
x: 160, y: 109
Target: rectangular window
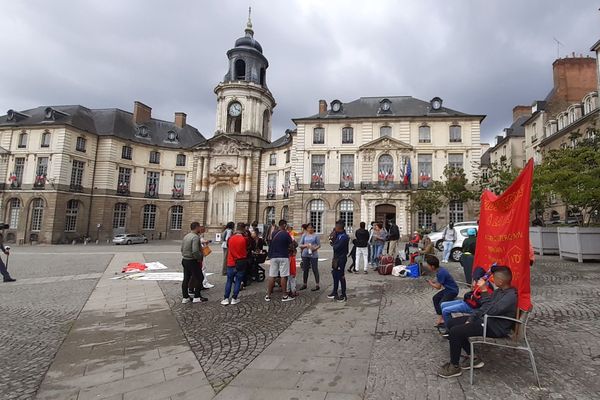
x: 37, y: 215
x: 317, y: 169
x: 126, y: 153
x: 315, y: 214
x: 18, y: 175
x: 287, y: 156
x: 271, y: 186
x: 347, y: 171
x: 424, y: 220
x: 120, y: 215
x: 80, y: 144
x: 45, y: 139
x: 286, y: 185
x: 77, y: 175
x: 71, y: 217
x: 124, y: 181
x: 319, y: 136
x: 455, y: 134
x: 273, y: 159
x: 456, y: 211
x: 424, y: 134
x: 154, y: 157
x: 15, y: 208
x: 42, y: 167
x: 176, y: 218
x: 152, y: 180
x: 22, y: 140
x: 424, y: 165
x: 149, y: 217
x: 347, y: 135
x: 455, y: 161
x: 178, y: 185
x: 180, y: 160
x: 347, y: 214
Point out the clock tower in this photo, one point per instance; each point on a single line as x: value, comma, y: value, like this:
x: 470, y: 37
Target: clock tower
x: 244, y: 102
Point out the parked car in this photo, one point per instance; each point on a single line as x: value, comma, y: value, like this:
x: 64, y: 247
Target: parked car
x: 130, y: 238
x: 461, y: 229
x: 437, y: 237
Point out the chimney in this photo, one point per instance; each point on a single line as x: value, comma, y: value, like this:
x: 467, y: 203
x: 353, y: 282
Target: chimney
x: 180, y: 118
x: 519, y: 111
x: 322, y: 107
x: 141, y: 112
x: 574, y: 77
x: 499, y: 138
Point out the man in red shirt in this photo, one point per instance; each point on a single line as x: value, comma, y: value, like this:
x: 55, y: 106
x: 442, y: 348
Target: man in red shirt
x: 237, y: 260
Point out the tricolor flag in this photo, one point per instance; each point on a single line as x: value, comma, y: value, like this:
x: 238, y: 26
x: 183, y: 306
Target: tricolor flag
x: 407, y: 173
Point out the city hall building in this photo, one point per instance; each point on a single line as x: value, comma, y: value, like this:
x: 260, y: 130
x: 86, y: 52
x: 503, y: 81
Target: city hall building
x: 70, y: 171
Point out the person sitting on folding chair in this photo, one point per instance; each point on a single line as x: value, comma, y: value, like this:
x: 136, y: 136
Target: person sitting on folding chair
x: 503, y: 302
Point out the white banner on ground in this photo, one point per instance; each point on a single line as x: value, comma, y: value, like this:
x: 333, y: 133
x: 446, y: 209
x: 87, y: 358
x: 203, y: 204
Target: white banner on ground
x: 155, y: 276
x: 154, y: 265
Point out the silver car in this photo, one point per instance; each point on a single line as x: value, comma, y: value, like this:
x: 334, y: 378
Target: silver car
x: 129, y: 238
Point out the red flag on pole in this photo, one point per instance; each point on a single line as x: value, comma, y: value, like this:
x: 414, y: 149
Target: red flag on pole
x: 503, y: 235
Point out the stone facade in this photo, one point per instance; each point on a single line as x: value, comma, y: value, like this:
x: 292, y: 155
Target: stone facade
x: 71, y: 172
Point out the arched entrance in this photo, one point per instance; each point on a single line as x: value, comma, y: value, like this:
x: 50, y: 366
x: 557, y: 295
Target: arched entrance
x: 385, y: 213
x: 223, y: 205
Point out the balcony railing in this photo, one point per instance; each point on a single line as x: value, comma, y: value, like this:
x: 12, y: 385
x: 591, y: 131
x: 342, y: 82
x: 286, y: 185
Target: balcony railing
x: 346, y: 185
x: 123, y: 190
x: 40, y: 182
x: 385, y: 185
x: 151, y: 194
x: 75, y: 188
x: 270, y: 195
x: 177, y: 194
x: 15, y: 184
x: 317, y: 185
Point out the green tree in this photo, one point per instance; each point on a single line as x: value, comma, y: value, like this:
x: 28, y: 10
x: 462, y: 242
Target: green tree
x: 427, y: 201
x: 455, y: 186
x: 573, y: 173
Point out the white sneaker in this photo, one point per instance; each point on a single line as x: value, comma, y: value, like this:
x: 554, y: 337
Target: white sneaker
x: 208, y: 285
x: 197, y: 300
x: 235, y: 301
x: 225, y: 302
x: 185, y: 301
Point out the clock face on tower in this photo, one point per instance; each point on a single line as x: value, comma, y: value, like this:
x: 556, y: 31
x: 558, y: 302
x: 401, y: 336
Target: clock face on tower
x: 235, y: 109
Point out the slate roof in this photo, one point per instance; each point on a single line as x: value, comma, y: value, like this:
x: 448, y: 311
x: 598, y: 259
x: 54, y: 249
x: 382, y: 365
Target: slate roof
x: 400, y: 106
x: 110, y: 122
x: 516, y: 129
x: 282, y: 141
x: 485, y: 157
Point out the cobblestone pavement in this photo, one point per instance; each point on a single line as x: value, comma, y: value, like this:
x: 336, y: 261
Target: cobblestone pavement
x: 227, y: 338
x: 36, y: 313
x: 564, y: 333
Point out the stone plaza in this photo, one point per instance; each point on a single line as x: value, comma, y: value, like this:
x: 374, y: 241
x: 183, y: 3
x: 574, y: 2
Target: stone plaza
x: 69, y: 331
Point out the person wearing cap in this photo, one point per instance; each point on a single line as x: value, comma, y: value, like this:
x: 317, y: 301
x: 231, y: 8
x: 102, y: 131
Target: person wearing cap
x: 502, y: 302
x: 340, y: 241
x: 468, y: 253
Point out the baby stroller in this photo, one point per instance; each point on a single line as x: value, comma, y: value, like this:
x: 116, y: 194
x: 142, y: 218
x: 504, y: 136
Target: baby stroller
x: 257, y: 273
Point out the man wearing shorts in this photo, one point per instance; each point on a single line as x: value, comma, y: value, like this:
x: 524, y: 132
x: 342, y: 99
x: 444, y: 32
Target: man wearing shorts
x: 279, y: 253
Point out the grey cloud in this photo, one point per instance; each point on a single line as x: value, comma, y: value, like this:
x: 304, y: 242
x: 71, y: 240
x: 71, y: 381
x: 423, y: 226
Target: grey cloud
x: 481, y: 57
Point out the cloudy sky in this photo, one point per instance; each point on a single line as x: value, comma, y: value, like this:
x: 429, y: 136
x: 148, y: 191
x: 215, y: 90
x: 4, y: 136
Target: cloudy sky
x: 481, y: 57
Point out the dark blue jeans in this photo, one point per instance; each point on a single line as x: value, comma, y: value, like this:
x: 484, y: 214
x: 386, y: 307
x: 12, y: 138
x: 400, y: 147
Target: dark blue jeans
x: 339, y: 278
x: 4, y: 271
x: 235, y: 278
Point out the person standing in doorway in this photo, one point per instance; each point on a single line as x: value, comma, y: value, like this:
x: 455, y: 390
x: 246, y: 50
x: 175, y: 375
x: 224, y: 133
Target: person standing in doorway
x: 340, y: 243
x: 191, y: 257
x: 449, y: 237
x: 393, y: 238
x: 362, y: 248
x: 279, y: 253
x: 3, y: 269
x: 225, y: 237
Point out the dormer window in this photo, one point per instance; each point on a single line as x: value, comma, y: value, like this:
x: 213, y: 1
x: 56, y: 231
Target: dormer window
x: 385, y: 106
x: 143, y: 131
x: 52, y: 114
x: 436, y: 104
x: 172, y: 136
x: 336, y: 106
x: 12, y: 115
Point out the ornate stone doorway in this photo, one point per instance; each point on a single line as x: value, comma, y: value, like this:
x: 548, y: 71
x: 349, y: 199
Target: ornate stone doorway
x: 222, y: 204
x: 385, y: 213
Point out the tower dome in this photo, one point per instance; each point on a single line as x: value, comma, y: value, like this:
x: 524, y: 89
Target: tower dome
x: 248, y: 40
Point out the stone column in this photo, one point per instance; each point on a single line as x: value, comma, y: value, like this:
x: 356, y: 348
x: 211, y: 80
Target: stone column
x: 248, y: 176
x: 242, y: 182
x: 205, y: 174
x: 198, y: 177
